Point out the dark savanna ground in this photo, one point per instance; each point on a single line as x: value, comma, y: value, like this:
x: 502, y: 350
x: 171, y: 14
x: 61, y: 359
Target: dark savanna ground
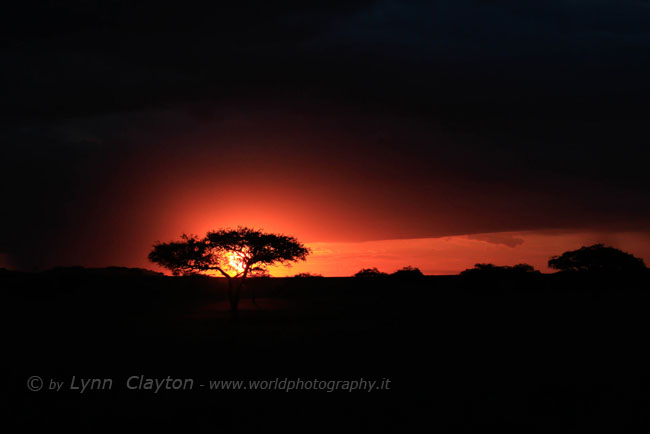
x: 540, y: 353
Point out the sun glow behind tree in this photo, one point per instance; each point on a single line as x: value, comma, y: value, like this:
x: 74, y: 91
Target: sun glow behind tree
x: 235, y: 254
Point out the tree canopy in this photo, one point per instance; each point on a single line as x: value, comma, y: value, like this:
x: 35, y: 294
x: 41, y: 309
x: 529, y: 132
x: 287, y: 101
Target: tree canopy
x: 233, y: 253
x: 597, y: 258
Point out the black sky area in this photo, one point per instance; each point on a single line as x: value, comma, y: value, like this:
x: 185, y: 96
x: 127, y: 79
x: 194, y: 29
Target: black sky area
x: 456, y: 116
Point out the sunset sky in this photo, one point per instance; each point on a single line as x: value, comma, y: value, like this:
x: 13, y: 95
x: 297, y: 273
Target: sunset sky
x: 380, y: 133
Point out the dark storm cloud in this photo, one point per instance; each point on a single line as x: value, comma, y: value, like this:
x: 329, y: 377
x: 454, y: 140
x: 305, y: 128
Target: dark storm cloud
x: 435, y: 57
x: 531, y: 114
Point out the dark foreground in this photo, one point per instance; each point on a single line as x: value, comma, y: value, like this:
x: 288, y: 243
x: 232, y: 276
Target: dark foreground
x: 538, y: 354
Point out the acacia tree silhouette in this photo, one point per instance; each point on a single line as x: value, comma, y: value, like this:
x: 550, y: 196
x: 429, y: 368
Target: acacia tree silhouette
x: 235, y: 253
x: 597, y: 258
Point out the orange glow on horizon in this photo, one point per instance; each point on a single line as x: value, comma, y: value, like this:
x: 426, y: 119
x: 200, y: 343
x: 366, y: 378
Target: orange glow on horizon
x: 433, y: 256
x: 451, y: 255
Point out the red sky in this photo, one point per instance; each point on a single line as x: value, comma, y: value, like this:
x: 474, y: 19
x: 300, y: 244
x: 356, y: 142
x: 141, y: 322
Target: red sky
x: 450, y: 255
x: 344, y: 126
x: 348, y: 189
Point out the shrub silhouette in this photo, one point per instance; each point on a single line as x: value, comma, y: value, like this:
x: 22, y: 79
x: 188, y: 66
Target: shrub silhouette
x: 370, y: 273
x: 408, y: 272
x: 597, y: 258
x: 491, y: 270
x: 234, y: 253
x: 307, y: 276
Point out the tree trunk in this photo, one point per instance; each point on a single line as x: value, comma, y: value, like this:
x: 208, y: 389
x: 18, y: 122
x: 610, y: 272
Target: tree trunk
x: 243, y: 286
x: 235, y: 285
x: 234, y: 292
x: 235, y: 299
x: 233, y: 295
